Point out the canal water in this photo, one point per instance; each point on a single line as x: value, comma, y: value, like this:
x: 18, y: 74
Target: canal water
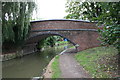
x: 31, y: 65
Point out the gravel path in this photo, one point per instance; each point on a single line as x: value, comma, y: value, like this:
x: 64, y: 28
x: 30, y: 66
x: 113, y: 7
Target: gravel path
x: 70, y: 68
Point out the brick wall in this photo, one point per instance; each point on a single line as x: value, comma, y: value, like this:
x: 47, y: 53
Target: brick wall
x: 84, y: 38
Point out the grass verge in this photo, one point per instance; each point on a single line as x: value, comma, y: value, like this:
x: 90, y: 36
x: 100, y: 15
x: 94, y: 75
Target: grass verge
x: 55, y: 68
x: 62, y: 42
x: 100, y: 62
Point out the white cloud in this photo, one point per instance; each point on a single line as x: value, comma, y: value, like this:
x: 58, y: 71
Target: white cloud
x: 50, y: 9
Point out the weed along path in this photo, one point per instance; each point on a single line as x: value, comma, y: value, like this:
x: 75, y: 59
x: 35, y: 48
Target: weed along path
x: 69, y: 67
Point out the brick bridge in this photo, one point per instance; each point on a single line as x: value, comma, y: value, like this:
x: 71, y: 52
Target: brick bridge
x: 81, y: 33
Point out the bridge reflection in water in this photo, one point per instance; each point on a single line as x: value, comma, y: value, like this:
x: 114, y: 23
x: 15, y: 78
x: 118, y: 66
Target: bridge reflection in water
x: 31, y: 65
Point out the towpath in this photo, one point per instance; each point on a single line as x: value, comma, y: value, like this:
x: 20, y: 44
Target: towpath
x: 69, y: 67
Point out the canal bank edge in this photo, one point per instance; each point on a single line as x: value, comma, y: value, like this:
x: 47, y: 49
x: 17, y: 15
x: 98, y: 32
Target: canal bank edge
x: 17, y: 54
x: 48, y: 73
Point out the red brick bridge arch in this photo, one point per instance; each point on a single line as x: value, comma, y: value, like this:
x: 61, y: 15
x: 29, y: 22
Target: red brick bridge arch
x: 82, y: 33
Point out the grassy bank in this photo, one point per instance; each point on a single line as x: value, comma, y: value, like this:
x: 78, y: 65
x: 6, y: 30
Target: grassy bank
x: 55, y: 68
x: 62, y: 42
x: 100, y: 62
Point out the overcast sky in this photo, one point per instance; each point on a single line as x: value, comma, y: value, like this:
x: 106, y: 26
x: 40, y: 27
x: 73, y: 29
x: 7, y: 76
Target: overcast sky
x: 50, y: 9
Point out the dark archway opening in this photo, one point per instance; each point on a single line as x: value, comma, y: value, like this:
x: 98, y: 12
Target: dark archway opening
x: 54, y: 41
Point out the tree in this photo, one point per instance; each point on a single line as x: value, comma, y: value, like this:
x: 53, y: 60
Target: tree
x: 40, y: 44
x: 105, y: 13
x: 16, y: 21
x: 51, y: 41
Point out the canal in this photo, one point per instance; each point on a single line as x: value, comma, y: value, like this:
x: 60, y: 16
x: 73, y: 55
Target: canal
x: 31, y: 65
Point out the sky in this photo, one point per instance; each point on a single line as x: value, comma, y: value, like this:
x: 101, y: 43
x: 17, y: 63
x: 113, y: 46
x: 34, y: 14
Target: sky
x: 50, y: 9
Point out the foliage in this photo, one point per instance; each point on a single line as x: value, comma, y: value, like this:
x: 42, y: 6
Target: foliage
x: 40, y: 44
x: 62, y: 42
x: 100, y: 62
x: 49, y: 41
x: 105, y: 13
x: 16, y: 21
x: 110, y: 19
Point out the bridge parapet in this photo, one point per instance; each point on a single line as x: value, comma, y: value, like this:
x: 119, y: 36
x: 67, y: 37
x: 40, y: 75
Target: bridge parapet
x: 62, y: 24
